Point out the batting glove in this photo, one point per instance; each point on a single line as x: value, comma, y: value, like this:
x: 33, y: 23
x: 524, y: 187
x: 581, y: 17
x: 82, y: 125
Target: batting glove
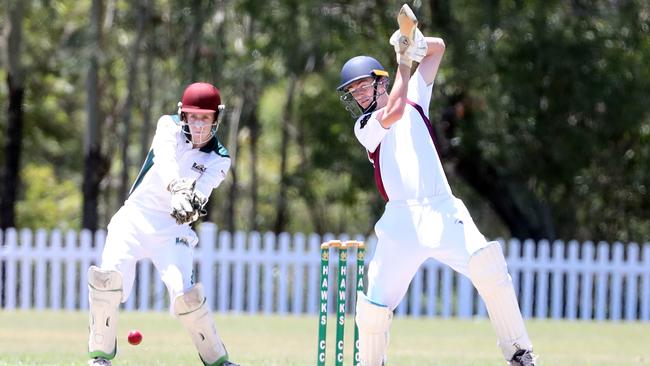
x: 401, y: 44
x: 418, y: 47
x: 408, y: 50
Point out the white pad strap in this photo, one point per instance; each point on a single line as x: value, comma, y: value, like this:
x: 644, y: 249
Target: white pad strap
x: 488, y: 271
x: 194, y: 314
x: 373, y: 321
x: 104, y: 296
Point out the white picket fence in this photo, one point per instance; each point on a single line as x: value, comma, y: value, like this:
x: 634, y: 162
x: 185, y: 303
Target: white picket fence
x: 264, y: 273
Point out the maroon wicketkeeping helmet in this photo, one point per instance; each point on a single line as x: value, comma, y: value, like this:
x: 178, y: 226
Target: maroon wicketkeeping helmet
x: 201, y: 98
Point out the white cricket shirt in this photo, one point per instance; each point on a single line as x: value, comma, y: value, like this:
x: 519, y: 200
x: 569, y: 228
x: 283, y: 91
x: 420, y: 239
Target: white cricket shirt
x: 171, y: 157
x: 407, y: 165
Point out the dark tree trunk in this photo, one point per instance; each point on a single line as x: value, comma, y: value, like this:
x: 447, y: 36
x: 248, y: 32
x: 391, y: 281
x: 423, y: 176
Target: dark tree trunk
x: 93, y: 161
x: 254, y: 128
x: 140, y: 9
x: 148, y: 96
x: 194, y: 39
x: 13, y: 147
x: 281, y: 204
x: 440, y: 13
x: 233, y: 129
x: 523, y: 214
x: 10, y: 172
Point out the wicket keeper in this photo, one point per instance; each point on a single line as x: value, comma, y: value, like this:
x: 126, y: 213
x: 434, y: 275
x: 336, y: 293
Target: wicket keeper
x: 185, y: 163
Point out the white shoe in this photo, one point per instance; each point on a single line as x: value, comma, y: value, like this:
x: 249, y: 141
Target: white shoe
x: 99, y: 362
x: 523, y: 357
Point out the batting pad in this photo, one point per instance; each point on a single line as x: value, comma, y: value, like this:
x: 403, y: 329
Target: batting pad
x: 373, y: 321
x: 193, y: 312
x: 104, y: 296
x: 488, y: 271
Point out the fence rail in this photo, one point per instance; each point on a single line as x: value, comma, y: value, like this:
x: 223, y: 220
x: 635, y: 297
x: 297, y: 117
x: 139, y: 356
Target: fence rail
x: 265, y: 273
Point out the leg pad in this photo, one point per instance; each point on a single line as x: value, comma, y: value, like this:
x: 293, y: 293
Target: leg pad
x: 193, y: 312
x: 374, y: 322
x: 104, y: 296
x: 489, y: 273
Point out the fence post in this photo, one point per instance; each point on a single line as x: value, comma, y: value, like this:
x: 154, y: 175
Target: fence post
x: 299, y: 257
x: 601, y: 281
x: 645, y: 284
x: 240, y: 259
x: 631, y: 282
x: 40, y: 256
x: 543, y: 257
x: 573, y: 264
x: 86, y: 251
x: 11, y: 248
x: 70, y: 268
x: 224, y: 259
x: 313, y: 287
x: 617, y: 283
x: 55, y: 279
x: 432, y: 287
x: 527, y: 264
x: 283, y: 259
x: 267, y: 274
x: 586, y: 287
x: 26, y: 256
x: 447, y: 291
x: 204, y: 257
x: 254, y: 290
x: 556, y: 279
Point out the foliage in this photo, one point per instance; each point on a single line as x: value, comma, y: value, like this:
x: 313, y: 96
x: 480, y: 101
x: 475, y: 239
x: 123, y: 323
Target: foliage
x: 49, y: 202
x: 555, y: 96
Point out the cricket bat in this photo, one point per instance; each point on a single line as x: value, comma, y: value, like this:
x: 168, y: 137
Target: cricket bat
x: 407, y: 22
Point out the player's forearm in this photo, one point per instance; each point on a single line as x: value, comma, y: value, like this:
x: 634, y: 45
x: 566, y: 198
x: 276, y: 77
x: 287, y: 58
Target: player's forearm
x: 164, y: 150
x: 429, y: 66
x: 435, y: 46
x: 397, y: 99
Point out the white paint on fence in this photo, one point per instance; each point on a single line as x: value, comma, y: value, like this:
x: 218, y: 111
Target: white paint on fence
x: 264, y: 273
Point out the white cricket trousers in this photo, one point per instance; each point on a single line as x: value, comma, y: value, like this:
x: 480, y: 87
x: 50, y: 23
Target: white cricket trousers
x: 412, y: 231
x: 130, y: 239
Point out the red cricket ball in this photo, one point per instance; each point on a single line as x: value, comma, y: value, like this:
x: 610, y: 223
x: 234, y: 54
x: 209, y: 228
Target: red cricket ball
x: 135, y: 337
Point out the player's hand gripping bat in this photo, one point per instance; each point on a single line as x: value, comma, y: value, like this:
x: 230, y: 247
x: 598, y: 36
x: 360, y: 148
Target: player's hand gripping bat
x: 408, y: 41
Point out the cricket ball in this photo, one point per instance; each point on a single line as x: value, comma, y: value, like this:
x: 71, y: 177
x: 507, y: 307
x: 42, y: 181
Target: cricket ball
x: 134, y: 337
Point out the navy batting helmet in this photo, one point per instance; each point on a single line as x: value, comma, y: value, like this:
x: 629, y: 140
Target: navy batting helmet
x: 357, y: 68
x: 360, y: 67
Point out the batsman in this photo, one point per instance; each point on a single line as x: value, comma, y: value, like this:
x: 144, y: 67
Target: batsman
x: 422, y: 218
x: 185, y: 163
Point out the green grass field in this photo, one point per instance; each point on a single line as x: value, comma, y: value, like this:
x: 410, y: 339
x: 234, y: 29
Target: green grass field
x: 59, y: 338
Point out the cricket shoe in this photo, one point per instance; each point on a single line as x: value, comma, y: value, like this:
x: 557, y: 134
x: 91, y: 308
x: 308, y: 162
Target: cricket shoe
x: 225, y: 363
x: 99, y: 362
x: 523, y: 357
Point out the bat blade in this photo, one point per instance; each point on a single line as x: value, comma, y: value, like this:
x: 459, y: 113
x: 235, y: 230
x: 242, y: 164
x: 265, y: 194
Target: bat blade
x: 407, y: 22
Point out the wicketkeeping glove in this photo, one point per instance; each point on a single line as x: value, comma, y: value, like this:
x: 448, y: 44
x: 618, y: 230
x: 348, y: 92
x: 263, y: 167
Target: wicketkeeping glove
x: 187, y: 204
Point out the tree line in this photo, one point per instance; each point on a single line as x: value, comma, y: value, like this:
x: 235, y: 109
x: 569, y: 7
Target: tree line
x: 540, y: 109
